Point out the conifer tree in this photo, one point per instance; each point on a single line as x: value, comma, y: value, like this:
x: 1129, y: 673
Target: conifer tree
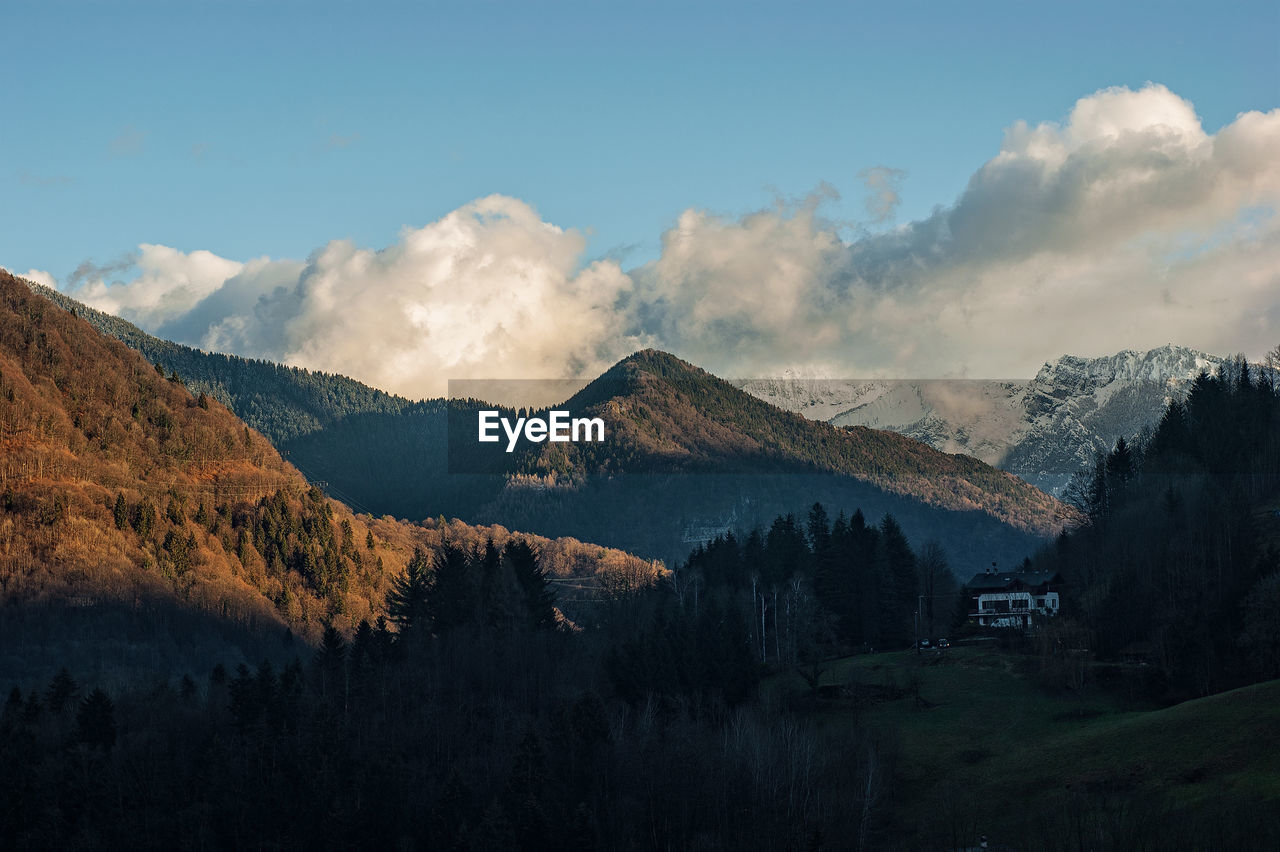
x: 62, y: 689
x: 819, y: 529
x: 451, y: 597
x: 331, y: 662
x: 898, y: 583
x: 96, y: 721
x: 120, y: 512
x: 531, y: 579
x: 407, y: 602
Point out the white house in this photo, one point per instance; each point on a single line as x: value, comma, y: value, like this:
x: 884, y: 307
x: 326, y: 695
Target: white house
x: 1009, y: 599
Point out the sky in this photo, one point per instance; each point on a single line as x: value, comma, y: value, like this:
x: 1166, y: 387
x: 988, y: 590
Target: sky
x: 412, y: 193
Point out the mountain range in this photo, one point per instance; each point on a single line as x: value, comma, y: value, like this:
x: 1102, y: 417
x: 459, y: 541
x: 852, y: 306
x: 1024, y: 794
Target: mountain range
x: 689, y: 456
x: 1043, y: 429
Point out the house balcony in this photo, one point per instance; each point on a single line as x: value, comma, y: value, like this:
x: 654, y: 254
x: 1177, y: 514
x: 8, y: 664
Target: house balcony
x: 1005, y: 613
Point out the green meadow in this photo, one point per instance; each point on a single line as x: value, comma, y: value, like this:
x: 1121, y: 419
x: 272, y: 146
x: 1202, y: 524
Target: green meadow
x: 980, y: 746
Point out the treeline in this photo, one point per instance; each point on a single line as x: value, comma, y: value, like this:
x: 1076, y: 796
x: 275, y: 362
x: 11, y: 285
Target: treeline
x: 1179, y: 561
x: 471, y: 719
x: 824, y: 587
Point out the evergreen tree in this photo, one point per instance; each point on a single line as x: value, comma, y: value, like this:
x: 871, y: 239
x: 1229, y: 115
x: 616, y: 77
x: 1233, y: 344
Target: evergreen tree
x: 408, y: 604
x: 144, y: 518
x: 62, y: 689
x: 898, y: 599
x: 531, y: 579
x: 120, y: 512
x: 452, y: 595
x: 331, y: 663
x: 174, y: 511
x: 786, y: 551
x: 819, y: 529
x: 490, y: 571
x: 96, y: 721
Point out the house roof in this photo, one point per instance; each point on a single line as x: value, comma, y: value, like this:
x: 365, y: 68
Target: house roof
x: 1005, y: 580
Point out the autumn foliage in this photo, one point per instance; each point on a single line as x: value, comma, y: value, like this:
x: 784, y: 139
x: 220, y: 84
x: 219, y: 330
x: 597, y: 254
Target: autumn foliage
x: 118, y: 485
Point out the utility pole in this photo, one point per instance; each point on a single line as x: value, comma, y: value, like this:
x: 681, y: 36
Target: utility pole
x: 919, y: 608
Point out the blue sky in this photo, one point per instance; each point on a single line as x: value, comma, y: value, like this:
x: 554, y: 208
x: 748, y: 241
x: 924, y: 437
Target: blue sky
x: 409, y: 193
x: 254, y: 129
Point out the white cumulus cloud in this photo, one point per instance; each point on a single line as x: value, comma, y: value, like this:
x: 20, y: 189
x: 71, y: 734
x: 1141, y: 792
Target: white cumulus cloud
x: 489, y: 291
x: 1126, y: 225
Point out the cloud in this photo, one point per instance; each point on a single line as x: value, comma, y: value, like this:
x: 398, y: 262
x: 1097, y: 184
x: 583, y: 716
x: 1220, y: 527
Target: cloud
x: 1126, y: 225
x: 489, y: 291
x: 883, y: 184
x: 167, y: 284
x: 40, y: 276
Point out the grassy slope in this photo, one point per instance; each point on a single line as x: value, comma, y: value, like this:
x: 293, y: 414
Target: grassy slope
x: 991, y: 751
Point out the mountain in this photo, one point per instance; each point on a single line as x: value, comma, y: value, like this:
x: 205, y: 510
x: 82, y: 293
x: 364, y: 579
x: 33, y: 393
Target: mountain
x: 139, y: 520
x: 689, y: 455
x: 667, y: 415
x: 711, y: 456
x: 1043, y: 430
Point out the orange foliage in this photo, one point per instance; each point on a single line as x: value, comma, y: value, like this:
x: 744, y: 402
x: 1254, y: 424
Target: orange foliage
x: 86, y: 422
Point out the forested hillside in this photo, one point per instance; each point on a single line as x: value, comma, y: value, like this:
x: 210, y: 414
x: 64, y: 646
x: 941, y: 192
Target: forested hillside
x: 471, y: 721
x: 154, y: 517
x: 1178, y: 564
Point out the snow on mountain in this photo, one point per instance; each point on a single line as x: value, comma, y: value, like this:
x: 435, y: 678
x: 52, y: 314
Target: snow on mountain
x: 1043, y: 429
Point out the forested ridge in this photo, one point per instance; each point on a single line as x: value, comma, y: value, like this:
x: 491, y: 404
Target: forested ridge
x: 1178, y: 561
x: 125, y: 499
